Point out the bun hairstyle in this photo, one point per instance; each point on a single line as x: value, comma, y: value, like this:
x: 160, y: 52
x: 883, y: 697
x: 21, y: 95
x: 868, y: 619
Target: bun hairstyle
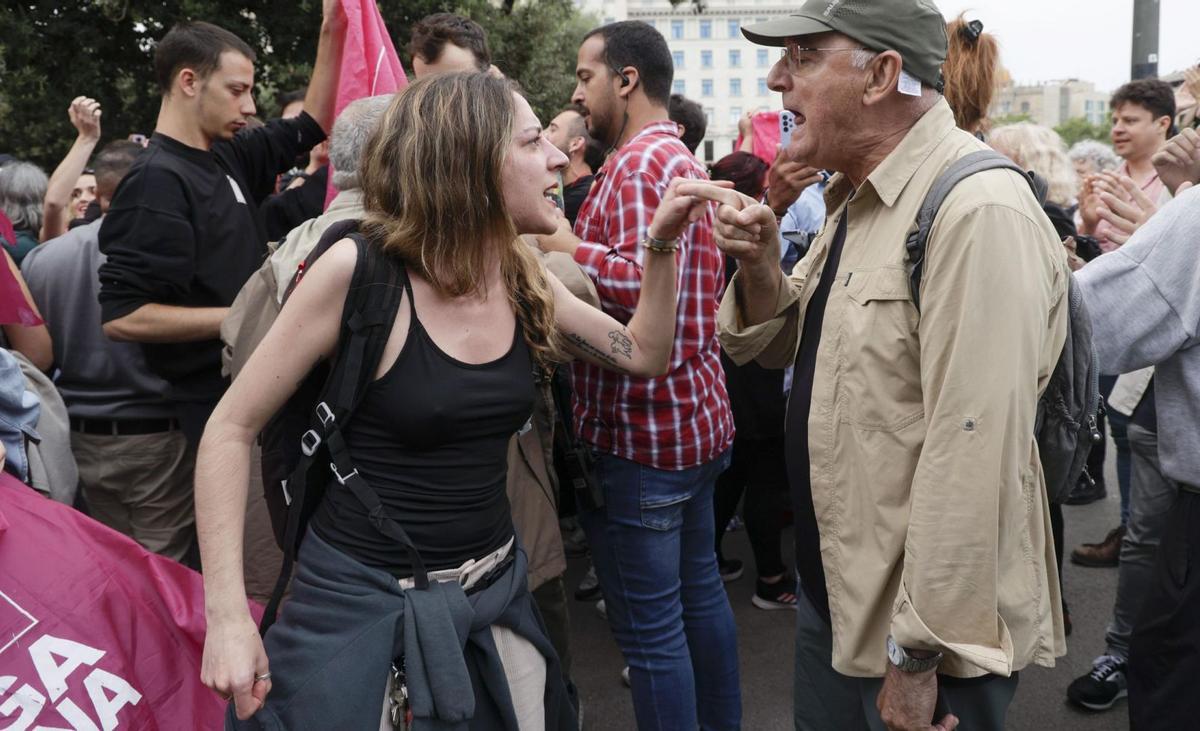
x: 972, y: 60
x: 432, y: 189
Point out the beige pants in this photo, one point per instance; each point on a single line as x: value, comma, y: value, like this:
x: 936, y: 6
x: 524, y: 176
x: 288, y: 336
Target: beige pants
x: 262, y: 558
x: 141, y: 486
x: 525, y: 669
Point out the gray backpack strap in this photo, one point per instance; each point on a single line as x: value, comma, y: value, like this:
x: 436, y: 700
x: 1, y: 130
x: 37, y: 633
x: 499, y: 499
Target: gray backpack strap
x: 959, y: 170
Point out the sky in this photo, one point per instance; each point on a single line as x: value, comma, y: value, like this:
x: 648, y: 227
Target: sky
x: 1043, y: 40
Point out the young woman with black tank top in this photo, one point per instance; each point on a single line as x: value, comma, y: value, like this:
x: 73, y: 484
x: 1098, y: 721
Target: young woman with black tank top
x: 458, y: 168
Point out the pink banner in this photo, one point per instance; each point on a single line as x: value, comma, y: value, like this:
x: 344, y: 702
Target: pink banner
x: 95, y: 632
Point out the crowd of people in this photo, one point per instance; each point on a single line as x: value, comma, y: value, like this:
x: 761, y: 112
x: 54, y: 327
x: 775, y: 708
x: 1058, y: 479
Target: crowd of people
x: 532, y: 341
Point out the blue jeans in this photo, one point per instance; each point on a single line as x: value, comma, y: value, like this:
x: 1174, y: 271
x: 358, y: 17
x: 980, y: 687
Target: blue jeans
x: 652, y: 545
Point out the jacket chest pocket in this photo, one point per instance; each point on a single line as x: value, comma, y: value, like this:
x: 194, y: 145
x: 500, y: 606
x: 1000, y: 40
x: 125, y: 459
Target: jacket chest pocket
x: 878, y: 351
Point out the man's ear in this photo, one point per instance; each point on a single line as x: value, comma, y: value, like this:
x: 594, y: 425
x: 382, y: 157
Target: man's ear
x: 883, y: 76
x: 188, y: 82
x: 1163, y: 124
x: 630, y: 81
x: 577, y: 144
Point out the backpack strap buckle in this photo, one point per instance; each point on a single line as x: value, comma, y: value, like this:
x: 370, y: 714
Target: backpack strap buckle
x: 324, y: 413
x: 309, y: 441
x: 338, y: 475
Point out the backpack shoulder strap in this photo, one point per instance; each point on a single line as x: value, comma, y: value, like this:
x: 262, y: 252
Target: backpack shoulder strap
x: 372, y: 303
x: 959, y: 170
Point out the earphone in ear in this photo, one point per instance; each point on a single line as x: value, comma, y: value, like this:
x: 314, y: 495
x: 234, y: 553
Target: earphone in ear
x: 624, y: 78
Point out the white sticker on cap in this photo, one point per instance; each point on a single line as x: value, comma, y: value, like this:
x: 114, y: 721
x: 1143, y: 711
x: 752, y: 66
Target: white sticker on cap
x: 908, y: 84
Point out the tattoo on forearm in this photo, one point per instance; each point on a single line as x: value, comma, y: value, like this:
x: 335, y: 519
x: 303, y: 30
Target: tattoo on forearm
x: 583, y: 346
x: 621, y: 344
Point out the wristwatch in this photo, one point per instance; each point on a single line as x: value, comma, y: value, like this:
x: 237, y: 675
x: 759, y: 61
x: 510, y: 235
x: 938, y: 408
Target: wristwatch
x: 907, y: 663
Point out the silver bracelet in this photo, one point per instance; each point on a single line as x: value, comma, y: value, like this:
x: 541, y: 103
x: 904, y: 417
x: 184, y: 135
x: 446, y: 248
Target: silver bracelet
x: 661, y: 246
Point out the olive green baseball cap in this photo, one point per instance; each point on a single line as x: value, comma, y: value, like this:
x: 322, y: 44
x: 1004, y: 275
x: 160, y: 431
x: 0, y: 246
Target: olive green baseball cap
x: 913, y: 28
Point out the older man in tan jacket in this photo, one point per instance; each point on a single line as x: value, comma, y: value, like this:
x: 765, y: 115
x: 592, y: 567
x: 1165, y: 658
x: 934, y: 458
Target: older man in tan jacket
x: 923, y: 532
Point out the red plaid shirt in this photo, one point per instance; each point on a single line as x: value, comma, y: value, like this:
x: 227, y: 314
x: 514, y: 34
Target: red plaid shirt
x: 682, y: 419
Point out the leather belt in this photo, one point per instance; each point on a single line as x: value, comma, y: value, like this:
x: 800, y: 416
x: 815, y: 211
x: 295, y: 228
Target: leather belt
x: 123, y: 427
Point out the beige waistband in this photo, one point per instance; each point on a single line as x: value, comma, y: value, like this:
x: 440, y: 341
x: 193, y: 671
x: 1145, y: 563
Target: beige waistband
x: 470, y: 572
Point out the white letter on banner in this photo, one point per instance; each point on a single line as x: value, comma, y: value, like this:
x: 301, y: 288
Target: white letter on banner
x: 54, y: 676
x: 123, y: 694
x: 25, y: 699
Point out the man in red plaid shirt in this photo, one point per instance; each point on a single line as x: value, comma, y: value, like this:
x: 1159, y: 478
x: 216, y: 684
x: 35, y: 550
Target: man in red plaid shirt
x: 661, y: 442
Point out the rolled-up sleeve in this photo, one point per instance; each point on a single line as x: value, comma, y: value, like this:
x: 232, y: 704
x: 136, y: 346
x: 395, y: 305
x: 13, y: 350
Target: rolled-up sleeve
x: 987, y: 299
x: 772, y: 343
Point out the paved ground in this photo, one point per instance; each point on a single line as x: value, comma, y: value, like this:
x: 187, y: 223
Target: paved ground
x: 765, y: 646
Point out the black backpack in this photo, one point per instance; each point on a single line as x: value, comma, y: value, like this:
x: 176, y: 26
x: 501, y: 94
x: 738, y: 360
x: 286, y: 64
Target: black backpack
x: 1065, y: 427
x: 303, y: 449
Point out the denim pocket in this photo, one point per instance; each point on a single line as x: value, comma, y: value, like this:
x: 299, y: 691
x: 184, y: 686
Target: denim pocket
x: 663, y: 495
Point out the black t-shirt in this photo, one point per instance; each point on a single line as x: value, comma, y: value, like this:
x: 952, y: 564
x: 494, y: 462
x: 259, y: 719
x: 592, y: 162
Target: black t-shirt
x: 574, y: 195
x: 183, y: 230
x: 289, y: 208
x: 808, y: 538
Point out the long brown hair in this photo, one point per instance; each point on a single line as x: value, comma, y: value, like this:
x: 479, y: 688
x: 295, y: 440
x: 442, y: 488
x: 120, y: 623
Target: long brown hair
x: 431, y: 178
x: 972, y: 60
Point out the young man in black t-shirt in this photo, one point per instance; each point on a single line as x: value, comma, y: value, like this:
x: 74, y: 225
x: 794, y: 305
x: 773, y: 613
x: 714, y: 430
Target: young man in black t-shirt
x: 182, y: 234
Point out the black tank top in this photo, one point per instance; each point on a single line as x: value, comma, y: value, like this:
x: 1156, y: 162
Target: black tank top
x: 431, y: 438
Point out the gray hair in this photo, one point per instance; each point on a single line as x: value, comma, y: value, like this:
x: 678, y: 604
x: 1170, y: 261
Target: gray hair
x: 349, y: 137
x: 1100, y: 155
x: 860, y: 57
x: 22, y: 195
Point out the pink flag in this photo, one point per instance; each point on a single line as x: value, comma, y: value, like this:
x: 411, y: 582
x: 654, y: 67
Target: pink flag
x: 95, y: 631
x: 370, y: 65
x: 15, y: 308
x: 766, y: 135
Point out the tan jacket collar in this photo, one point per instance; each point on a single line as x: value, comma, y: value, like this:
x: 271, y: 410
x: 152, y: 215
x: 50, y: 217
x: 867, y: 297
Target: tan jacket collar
x: 890, y: 177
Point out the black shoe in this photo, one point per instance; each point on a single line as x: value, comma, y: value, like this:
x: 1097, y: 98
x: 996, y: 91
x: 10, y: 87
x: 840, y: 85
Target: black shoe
x: 731, y: 569
x: 1087, y: 491
x: 1101, y: 688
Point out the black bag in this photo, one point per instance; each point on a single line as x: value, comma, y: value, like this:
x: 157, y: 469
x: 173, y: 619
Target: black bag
x: 1065, y: 426
x: 303, y: 449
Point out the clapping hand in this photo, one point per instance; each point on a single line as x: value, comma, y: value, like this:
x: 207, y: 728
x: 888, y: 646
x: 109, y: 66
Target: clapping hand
x: 1178, y: 162
x: 1125, y: 207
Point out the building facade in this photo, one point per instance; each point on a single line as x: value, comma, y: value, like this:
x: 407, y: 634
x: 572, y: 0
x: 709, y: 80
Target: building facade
x: 1053, y: 102
x: 714, y: 63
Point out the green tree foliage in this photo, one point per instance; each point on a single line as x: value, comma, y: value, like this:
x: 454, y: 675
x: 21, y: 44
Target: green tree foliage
x: 1078, y: 129
x: 54, y: 50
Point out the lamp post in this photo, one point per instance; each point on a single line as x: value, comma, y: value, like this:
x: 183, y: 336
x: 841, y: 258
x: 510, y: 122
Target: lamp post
x: 1144, y: 62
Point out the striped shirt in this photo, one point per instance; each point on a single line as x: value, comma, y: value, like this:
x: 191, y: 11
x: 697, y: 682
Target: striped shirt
x: 682, y: 419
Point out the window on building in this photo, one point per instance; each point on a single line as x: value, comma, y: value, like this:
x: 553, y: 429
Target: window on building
x: 609, y: 21
x: 706, y: 59
x: 677, y: 59
x: 708, y: 115
x: 1024, y: 107
x: 735, y: 59
x: 763, y: 58
x: 706, y: 88
x: 677, y: 30
x: 735, y: 87
x: 763, y: 90
x: 735, y: 114
x: 678, y: 87
x: 708, y: 150
x: 706, y: 29
x: 735, y: 28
